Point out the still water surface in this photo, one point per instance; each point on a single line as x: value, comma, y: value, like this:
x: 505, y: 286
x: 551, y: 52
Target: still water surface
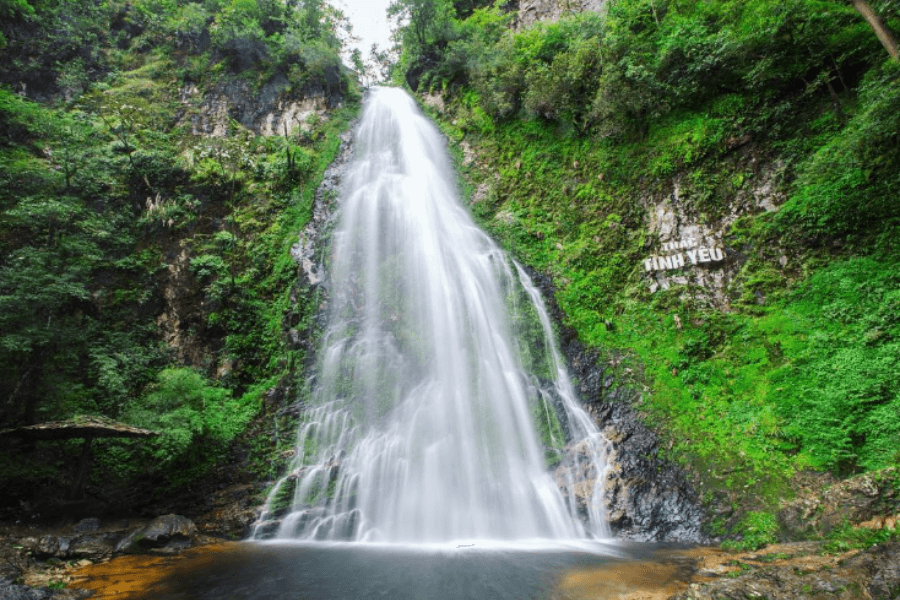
x: 282, y: 571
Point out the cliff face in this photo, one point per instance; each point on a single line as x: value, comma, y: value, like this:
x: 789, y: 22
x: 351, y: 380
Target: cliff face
x: 534, y: 11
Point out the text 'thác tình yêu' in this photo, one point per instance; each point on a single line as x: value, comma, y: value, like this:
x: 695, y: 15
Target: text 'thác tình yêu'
x: 690, y: 257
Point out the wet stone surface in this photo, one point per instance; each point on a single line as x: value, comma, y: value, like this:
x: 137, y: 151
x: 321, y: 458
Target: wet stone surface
x: 647, y: 499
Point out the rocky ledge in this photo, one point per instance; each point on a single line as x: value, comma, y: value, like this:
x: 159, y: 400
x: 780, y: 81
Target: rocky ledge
x: 35, y: 562
x: 799, y: 571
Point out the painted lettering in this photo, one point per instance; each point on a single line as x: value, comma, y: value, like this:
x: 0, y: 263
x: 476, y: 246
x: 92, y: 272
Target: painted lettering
x: 695, y: 255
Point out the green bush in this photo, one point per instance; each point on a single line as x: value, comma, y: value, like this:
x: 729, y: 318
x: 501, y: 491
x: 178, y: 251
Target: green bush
x: 188, y: 412
x: 849, y: 186
x: 843, y: 539
x: 840, y: 398
x: 756, y: 530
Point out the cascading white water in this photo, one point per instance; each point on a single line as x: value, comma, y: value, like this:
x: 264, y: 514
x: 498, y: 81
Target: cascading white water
x: 439, y: 393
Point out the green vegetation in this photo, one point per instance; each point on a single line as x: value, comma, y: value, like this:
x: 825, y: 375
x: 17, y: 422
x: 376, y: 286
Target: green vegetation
x: 144, y: 265
x: 145, y: 272
x: 580, y: 126
x: 849, y: 538
x: 756, y: 530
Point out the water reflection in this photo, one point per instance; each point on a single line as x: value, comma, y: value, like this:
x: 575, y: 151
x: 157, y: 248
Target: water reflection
x: 270, y: 571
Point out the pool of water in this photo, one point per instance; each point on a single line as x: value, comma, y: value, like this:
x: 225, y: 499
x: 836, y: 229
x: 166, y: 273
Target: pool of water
x: 282, y: 571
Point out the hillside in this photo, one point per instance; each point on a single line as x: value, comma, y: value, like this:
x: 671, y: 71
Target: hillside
x: 158, y: 161
x: 711, y: 187
x: 707, y: 193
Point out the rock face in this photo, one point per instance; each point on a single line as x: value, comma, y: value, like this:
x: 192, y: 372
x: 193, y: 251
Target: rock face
x: 233, y: 510
x: 532, y: 11
x: 270, y: 111
x: 874, y: 573
x: 869, y: 500
x: 276, y: 109
x: 310, y: 254
x: 180, y: 317
x: 675, y: 217
x: 646, y: 499
x: 309, y: 251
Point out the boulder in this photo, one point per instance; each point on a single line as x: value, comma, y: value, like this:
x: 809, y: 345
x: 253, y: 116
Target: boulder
x: 87, y: 525
x: 166, y: 534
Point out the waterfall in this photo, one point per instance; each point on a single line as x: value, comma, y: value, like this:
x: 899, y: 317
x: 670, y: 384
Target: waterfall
x: 440, y: 401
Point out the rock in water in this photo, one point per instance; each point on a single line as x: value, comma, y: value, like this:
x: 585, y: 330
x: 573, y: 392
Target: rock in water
x: 169, y: 533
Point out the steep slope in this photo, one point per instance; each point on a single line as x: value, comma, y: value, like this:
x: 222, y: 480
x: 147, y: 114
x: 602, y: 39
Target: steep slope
x: 158, y: 160
x: 711, y: 189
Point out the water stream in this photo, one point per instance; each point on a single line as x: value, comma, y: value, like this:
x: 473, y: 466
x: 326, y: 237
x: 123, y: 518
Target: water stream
x: 441, y: 411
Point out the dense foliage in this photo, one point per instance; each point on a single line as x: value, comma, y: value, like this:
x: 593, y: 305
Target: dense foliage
x: 579, y: 125
x: 144, y: 272
x: 144, y: 265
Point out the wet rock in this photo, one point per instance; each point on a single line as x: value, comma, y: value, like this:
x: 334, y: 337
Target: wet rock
x: 309, y: 251
x: 233, y: 513
x: 166, y: 534
x: 646, y: 499
x: 267, y: 529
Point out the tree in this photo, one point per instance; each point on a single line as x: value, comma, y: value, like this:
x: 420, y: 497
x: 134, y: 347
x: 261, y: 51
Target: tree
x: 427, y: 20
x: 312, y: 19
x: 885, y: 36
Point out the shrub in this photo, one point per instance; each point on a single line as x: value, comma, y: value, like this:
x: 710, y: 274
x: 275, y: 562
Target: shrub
x: 849, y: 187
x: 187, y: 411
x: 756, y: 529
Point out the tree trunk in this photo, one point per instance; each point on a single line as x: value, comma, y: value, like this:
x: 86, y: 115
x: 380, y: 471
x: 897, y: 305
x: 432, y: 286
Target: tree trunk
x: 84, y: 470
x: 884, y: 34
x: 835, y: 100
